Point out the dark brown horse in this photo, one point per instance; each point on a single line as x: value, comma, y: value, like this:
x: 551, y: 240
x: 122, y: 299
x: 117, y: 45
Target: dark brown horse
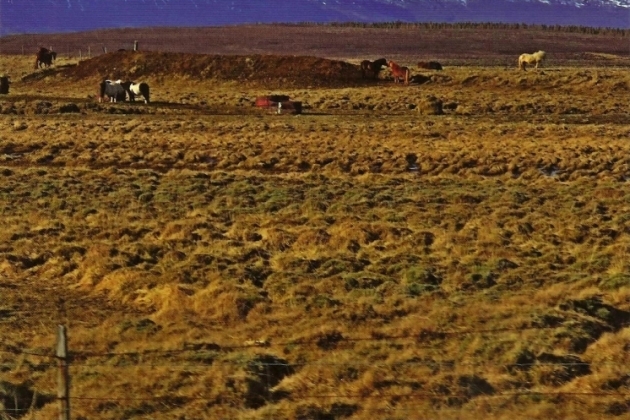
x: 373, y: 67
x: 44, y: 57
x: 429, y: 65
x: 399, y: 73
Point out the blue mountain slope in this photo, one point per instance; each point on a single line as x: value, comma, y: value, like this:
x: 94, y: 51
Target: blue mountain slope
x: 37, y: 16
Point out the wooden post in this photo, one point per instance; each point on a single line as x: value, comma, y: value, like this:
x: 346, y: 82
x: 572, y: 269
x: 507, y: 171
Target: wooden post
x: 63, y: 378
x: 104, y: 49
x: 135, y: 45
x: 89, y: 52
x: 80, y: 54
x: 22, y: 49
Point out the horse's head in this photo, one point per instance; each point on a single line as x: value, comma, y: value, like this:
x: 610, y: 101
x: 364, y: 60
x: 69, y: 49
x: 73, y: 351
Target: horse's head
x: 126, y: 85
x: 392, y: 65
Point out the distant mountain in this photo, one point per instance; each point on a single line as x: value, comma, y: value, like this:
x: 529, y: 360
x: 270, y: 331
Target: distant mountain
x: 46, y: 16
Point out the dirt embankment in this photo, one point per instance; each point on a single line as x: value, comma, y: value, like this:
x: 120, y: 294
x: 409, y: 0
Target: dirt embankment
x: 282, y: 71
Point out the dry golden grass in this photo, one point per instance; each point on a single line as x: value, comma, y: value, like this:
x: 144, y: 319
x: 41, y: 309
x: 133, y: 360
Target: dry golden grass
x: 305, y: 266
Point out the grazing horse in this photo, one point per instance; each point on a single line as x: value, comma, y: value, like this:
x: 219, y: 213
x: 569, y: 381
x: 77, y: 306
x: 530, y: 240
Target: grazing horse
x: 44, y: 57
x: 373, y: 67
x: 399, y: 73
x: 136, y: 89
x: 114, y: 91
x: 535, y: 58
x: 429, y: 65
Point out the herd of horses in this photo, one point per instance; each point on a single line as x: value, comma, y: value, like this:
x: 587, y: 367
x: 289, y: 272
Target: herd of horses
x: 118, y: 91
x: 402, y: 74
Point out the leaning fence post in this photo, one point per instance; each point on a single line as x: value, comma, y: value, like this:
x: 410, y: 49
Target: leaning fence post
x: 63, y: 378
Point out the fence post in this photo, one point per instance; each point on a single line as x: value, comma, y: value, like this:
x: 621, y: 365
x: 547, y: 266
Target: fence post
x: 63, y: 378
x: 135, y: 45
x: 89, y: 52
x: 80, y: 54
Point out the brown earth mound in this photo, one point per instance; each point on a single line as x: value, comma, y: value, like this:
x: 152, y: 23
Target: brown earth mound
x: 285, y: 71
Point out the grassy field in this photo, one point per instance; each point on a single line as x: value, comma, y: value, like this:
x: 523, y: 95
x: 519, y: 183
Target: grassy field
x: 454, y: 249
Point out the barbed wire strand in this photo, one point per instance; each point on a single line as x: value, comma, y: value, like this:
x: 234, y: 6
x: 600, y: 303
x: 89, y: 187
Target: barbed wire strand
x: 426, y: 336
x: 201, y: 365
x: 423, y: 395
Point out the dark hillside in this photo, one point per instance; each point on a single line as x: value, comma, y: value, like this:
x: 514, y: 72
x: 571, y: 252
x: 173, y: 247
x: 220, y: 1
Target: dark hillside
x: 456, y: 43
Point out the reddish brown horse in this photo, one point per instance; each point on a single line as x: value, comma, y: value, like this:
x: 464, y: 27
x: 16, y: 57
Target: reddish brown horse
x: 429, y: 65
x: 399, y: 73
x: 44, y: 57
x: 373, y: 67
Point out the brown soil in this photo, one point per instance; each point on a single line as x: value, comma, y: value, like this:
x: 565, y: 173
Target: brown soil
x: 286, y: 71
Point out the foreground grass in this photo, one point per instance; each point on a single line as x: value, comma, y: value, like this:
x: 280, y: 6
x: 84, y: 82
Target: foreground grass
x: 352, y: 263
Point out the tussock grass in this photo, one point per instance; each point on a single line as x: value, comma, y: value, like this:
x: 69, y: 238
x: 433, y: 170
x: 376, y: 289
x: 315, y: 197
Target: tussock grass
x: 363, y: 261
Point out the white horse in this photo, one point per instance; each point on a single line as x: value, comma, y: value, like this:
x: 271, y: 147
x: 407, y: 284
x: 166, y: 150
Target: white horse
x: 535, y: 58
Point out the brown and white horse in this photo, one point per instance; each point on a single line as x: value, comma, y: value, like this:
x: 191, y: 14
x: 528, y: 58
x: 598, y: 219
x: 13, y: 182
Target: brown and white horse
x: 137, y: 89
x: 399, y: 73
